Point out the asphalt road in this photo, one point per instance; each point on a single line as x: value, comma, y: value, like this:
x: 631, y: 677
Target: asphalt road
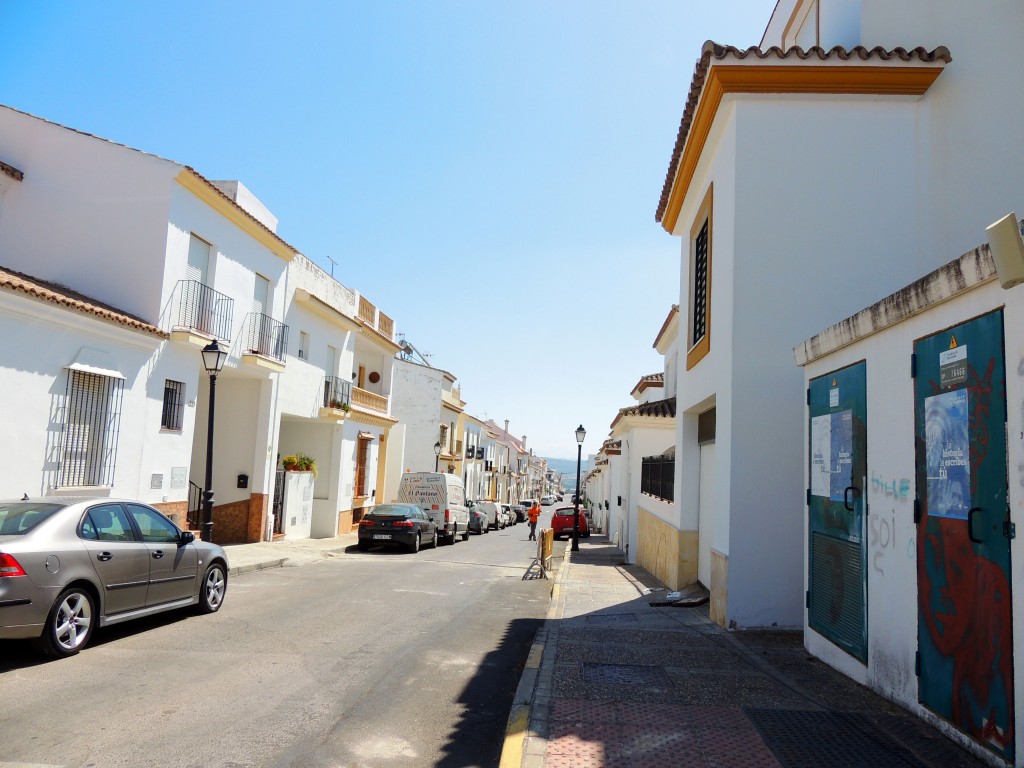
x: 364, y: 659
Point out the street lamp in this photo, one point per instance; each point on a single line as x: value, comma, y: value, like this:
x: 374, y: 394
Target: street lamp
x: 437, y: 454
x: 213, y: 362
x: 580, y: 434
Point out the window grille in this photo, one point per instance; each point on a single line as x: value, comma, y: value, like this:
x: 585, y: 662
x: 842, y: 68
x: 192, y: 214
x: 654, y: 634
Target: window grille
x: 174, y: 405
x: 92, y: 417
x: 700, y: 284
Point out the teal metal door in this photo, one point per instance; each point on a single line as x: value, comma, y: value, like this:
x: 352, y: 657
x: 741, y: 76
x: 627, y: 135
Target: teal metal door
x: 837, y: 598
x: 963, y: 547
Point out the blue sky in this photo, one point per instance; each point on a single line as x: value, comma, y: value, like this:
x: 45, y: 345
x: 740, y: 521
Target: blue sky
x: 486, y: 173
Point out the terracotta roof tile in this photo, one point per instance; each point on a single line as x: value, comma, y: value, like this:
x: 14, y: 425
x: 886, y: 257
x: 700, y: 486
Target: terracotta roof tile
x: 714, y: 52
x: 657, y: 408
x: 55, y: 293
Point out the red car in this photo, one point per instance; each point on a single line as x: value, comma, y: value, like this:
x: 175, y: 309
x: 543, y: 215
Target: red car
x: 561, y: 523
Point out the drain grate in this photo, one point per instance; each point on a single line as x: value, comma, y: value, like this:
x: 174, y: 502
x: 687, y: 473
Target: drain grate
x: 803, y: 739
x: 625, y: 674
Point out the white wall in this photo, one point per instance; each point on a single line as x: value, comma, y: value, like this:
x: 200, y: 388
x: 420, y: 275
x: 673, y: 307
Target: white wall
x: 415, y: 402
x: 89, y: 213
x: 40, y: 341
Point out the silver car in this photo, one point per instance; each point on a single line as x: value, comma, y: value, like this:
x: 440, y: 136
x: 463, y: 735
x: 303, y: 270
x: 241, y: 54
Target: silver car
x: 69, y: 565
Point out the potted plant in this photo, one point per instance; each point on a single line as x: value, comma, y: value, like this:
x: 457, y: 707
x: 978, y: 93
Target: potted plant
x: 306, y: 464
x: 290, y: 462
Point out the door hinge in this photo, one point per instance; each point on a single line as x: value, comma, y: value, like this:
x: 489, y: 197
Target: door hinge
x: 807, y: 599
x: 808, y: 497
x: 913, y: 366
x: 917, y: 663
x: 808, y: 395
x: 917, y: 511
x: 1009, y: 529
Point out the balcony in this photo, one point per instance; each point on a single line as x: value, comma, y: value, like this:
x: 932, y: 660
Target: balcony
x: 337, y: 398
x: 266, y: 340
x: 369, y: 401
x: 376, y: 319
x: 199, y: 313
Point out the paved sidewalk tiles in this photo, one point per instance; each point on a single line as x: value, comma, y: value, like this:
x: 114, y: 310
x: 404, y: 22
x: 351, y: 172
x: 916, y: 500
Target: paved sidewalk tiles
x: 624, y: 684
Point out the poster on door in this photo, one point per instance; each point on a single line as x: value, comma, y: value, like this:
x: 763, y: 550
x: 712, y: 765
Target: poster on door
x: 832, y: 454
x: 948, y: 454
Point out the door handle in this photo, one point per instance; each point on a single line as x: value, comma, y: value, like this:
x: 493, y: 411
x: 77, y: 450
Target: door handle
x: 104, y: 556
x: 157, y: 554
x: 970, y: 524
x: 846, y: 496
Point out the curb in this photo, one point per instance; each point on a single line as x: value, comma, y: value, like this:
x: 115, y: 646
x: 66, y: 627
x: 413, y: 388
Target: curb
x: 239, y: 570
x: 514, y: 753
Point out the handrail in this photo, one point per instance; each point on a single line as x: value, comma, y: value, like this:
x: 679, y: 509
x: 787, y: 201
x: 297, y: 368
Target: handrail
x: 266, y: 336
x: 200, y: 308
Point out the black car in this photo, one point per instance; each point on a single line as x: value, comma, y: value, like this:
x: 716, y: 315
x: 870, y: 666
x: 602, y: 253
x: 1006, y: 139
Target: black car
x: 520, y: 512
x: 404, y: 524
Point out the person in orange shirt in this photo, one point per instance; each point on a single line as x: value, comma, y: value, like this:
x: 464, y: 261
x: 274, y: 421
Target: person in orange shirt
x: 533, y: 514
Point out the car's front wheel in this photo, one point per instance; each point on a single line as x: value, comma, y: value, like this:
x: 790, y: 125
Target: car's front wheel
x: 215, y: 585
x: 69, y: 623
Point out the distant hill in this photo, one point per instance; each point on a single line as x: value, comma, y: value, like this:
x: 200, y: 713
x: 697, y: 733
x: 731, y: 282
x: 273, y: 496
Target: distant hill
x: 567, y: 468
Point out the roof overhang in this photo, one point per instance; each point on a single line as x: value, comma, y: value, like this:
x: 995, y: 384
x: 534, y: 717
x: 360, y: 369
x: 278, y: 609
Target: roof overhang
x: 857, y: 72
x: 320, y: 307
x: 206, y: 191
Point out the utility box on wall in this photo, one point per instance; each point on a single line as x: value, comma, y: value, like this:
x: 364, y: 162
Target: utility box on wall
x: 297, y: 506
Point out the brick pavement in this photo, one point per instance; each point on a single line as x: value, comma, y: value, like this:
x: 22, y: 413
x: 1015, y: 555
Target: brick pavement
x: 616, y: 682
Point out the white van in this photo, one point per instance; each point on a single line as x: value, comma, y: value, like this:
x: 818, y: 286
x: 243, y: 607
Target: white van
x: 442, y: 497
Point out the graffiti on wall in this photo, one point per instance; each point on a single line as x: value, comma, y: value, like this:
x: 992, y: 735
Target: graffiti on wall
x: 884, y: 541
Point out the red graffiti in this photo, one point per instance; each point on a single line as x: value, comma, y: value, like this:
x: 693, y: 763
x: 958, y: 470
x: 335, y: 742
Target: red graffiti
x: 968, y: 620
x: 965, y: 600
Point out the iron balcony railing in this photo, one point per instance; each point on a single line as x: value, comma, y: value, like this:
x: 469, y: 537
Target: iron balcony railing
x: 194, y: 515
x: 657, y: 476
x: 200, y: 308
x: 266, y: 336
x: 337, y: 392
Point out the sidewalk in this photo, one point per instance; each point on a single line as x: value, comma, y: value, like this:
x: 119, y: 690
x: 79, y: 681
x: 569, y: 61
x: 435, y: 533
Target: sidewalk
x: 612, y: 681
x: 245, y: 558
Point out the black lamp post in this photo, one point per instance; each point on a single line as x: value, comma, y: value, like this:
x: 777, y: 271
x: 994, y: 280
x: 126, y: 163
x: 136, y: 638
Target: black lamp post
x: 213, y: 362
x: 437, y: 454
x: 580, y: 434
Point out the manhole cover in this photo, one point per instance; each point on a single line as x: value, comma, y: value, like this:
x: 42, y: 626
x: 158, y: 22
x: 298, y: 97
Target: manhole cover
x: 613, y: 617
x: 813, y: 739
x: 625, y: 674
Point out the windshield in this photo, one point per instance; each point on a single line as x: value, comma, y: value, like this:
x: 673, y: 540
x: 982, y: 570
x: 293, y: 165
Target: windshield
x: 392, y: 510
x: 19, y: 518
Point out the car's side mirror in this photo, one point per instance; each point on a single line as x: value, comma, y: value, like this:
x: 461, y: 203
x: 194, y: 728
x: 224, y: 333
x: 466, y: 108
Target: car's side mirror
x: 186, y: 537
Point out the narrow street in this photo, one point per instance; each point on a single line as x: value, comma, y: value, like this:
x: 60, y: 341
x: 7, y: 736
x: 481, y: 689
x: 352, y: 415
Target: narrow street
x: 365, y: 659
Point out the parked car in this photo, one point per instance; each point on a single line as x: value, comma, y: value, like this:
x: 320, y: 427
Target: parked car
x: 404, y: 524
x: 510, y: 516
x: 70, y: 565
x: 478, y: 520
x: 527, y: 503
x: 561, y: 523
x: 520, y: 512
x: 495, y: 517
x: 442, y: 497
x: 559, y: 497
x: 547, y: 501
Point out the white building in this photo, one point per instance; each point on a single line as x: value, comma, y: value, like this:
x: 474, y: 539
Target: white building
x: 800, y: 181
x: 162, y: 244
x: 335, y: 400
x: 429, y: 406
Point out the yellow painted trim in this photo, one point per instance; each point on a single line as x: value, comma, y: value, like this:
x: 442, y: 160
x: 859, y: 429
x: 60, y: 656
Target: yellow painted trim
x: 379, y: 339
x: 258, y: 361
x: 375, y: 420
x: 323, y: 309
x: 515, y: 737
x: 706, y: 212
x: 834, y: 80
x: 231, y: 211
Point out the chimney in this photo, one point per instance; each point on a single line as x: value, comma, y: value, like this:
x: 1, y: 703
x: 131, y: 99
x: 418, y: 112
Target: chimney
x: 506, y: 427
x: 246, y: 200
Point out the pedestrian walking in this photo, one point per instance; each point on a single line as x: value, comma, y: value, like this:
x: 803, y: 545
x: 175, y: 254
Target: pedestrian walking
x: 533, y: 514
